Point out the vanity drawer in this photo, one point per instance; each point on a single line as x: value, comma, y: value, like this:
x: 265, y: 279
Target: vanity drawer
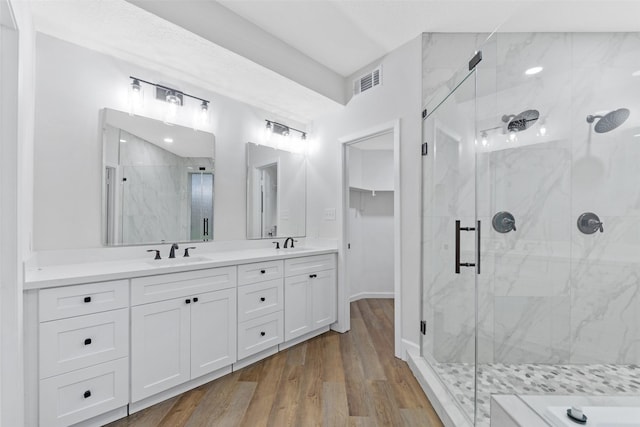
x: 79, y: 395
x: 78, y: 342
x: 259, y: 299
x: 259, y: 272
x: 69, y: 301
x: 309, y: 264
x: 260, y: 334
x: 175, y: 285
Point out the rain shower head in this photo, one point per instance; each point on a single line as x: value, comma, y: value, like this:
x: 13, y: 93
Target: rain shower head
x: 522, y: 121
x: 609, y: 121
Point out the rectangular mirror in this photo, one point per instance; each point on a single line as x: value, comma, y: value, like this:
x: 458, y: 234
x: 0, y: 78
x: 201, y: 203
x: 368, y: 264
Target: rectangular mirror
x: 276, y: 193
x: 158, y: 181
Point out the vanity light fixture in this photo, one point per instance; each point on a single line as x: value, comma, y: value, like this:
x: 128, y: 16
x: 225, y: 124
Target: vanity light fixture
x: 284, y: 130
x: 173, y: 97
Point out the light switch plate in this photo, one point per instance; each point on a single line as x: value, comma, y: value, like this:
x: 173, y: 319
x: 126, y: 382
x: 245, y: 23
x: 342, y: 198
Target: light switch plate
x: 330, y: 214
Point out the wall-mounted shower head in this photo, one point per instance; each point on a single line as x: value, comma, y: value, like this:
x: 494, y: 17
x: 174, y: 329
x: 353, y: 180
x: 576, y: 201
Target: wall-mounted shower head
x: 609, y: 121
x: 522, y: 121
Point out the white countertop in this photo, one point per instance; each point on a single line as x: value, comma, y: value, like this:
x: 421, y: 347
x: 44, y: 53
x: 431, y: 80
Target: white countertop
x: 73, y: 274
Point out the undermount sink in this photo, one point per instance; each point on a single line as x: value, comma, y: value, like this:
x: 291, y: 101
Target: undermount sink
x: 288, y: 250
x: 177, y: 261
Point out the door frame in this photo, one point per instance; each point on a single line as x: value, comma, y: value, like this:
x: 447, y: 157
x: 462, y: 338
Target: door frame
x: 344, y: 310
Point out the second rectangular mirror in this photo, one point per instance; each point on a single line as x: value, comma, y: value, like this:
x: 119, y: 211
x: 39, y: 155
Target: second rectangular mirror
x: 276, y: 193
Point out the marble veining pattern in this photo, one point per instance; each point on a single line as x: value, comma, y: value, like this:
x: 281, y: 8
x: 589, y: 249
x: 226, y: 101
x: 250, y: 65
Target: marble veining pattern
x: 499, y: 378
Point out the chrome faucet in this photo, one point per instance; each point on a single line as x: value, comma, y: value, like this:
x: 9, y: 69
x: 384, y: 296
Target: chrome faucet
x: 287, y: 241
x: 172, y: 252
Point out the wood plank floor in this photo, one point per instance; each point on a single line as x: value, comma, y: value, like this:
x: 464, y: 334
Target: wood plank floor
x: 350, y: 379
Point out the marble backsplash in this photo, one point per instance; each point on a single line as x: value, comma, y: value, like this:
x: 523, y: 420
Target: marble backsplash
x: 547, y: 293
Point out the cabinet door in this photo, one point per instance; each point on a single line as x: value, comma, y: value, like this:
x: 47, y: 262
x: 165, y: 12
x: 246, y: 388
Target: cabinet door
x: 323, y: 294
x: 213, y: 331
x: 298, y: 316
x: 160, y: 344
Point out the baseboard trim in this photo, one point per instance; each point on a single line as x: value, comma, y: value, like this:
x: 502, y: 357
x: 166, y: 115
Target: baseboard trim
x: 104, y: 419
x: 363, y: 295
x: 447, y: 409
x: 179, y: 389
x: 250, y: 360
x: 409, y: 347
x: 303, y: 338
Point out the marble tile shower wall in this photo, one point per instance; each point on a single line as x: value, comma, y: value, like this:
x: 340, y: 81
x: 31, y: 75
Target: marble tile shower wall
x: 155, y: 196
x: 547, y: 293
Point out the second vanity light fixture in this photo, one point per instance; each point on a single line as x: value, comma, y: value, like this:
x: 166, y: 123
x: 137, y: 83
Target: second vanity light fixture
x: 284, y: 130
x: 173, y: 97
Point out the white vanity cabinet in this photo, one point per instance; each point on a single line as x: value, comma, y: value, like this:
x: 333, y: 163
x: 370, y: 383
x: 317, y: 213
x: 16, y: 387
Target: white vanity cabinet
x: 310, y: 294
x: 183, y: 326
x: 83, y: 348
x: 260, y: 307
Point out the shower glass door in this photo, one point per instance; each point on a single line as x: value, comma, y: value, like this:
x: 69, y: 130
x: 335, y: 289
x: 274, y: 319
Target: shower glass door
x: 449, y: 242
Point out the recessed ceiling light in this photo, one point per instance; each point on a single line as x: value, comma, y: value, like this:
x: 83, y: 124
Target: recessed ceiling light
x: 636, y: 73
x: 637, y: 135
x: 123, y: 140
x: 533, y: 70
x: 168, y: 140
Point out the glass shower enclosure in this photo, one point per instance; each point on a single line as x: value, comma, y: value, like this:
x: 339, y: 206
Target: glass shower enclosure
x: 531, y: 216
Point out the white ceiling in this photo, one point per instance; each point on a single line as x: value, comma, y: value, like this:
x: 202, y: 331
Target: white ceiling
x: 348, y: 35
x: 185, y: 142
x: 290, y: 57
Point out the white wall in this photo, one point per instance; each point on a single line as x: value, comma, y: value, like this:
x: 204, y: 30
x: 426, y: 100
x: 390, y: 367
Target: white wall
x: 397, y: 97
x: 72, y: 85
x: 371, y: 237
x: 15, y: 198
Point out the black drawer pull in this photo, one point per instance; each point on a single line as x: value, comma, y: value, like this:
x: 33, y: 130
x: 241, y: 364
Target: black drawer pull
x: 263, y: 333
x: 195, y: 299
x: 311, y: 276
x: 87, y: 341
x: 263, y: 271
x: 87, y: 299
x: 263, y: 299
x: 87, y: 394
x: 188, y: 301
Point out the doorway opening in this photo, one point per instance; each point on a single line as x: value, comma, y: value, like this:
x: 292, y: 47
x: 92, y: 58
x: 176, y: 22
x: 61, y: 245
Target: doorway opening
x: 370, y: 250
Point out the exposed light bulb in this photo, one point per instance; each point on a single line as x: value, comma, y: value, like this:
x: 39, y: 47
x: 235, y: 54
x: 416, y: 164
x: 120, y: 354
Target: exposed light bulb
x: 533, y: 70
x: 172, y: 107
x: 484, y: 139
x: 135, y: 97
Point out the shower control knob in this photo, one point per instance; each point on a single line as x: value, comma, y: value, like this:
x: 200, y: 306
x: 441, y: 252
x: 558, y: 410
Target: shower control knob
x: 503, y: 222
x: 589, y: 223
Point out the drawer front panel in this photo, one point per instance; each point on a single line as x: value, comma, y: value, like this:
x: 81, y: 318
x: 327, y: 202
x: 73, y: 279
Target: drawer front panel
x: 70, y: 301
x: 259, y: 272
x: 259, y: 334
x: 78, y: 342
x: 176, y: 285
x: 309, y: 264
x: 259, y: 299
x: 79, y: 395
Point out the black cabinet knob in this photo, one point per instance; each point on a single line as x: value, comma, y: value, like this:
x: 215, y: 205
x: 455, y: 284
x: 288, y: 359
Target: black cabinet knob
x: 263, y: 333
x: 87, y: 299
x: 188, y: 301
x: 87, y: 341
x: 87, y: 394
x: 311, y: 276
x: 263, y: 299
x: 195, y: 299
x: 263, y: 271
